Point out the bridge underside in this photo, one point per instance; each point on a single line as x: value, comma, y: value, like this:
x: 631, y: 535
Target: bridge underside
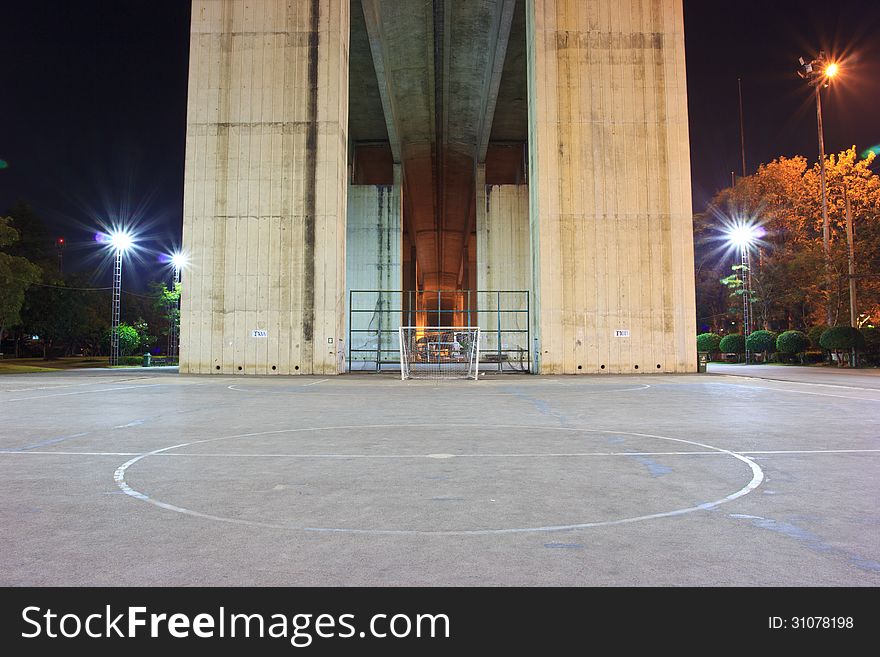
x: 348, y: 145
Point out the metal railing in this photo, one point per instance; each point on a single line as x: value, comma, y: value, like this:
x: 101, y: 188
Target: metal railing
x: 375, y: 316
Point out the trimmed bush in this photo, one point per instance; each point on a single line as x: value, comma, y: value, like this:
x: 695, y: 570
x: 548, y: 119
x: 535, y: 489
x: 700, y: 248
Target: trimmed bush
x: 872, y: 344
x: 708, y: 342
x: 761, y: 342
x: 792, y: 343
x: 733, y: 343
x: 814, y: 334
x: 840, y: 339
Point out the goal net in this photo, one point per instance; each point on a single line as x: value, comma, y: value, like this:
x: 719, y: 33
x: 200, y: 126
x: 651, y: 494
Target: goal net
x: 445, y: 352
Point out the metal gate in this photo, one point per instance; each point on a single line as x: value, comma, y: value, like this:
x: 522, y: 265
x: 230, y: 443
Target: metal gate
x: 375, y: 316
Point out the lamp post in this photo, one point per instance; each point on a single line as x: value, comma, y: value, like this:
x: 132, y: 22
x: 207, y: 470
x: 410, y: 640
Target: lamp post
x: 743, y: 235
x: 178, y: 262
x: 120, y: 241
x: 818, y: 73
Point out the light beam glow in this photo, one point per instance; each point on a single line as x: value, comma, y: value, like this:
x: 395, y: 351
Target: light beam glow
x: 120, y: 240
x: 178, y: 260
x: 743, y: 235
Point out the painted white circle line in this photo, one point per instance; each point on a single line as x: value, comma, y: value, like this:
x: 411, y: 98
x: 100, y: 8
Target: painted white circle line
x: 84, y: 392
x: 757, y: 478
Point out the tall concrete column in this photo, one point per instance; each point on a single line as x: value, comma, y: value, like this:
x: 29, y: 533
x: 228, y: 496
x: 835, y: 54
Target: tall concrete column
x: 265, y: 187
x: 503, y: 261
x: 610, y: 200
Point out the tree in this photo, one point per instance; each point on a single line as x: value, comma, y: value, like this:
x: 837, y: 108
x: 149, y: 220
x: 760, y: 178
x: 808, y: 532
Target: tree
x: 129, y: 340
x: 792, y: 343
x: 763, y: 342
x: 145, y: 340
x: 708, y: 342
x: 872, y: 344
x: 35, y: 242
x: 814, y: 334
x: 788, y: 280
x: 166, y: 302
x: 16, y: 275
x: 841, y: 339
x: 733, y: 344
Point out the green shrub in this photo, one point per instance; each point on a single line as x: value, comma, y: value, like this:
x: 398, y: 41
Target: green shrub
x: 840, y: 339
x: 792, y: 343
x: 872, y: 340
x: 761, y: 342
x: 708, y: 342
x: 814, y: 334
x: 733, y: 343
x: 129, y: 340
x: 872, y: 344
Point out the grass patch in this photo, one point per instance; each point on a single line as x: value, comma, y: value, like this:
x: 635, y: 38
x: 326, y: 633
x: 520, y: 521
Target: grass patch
x: 16, y: 368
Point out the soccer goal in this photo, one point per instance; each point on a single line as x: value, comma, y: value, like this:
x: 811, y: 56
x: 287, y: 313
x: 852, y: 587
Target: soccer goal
x: 445, y: 352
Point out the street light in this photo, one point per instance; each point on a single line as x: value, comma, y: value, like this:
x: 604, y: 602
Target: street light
x: 179, y: 261
x: 743, y: 235
x: 818, y: 73
x: 120, y: 241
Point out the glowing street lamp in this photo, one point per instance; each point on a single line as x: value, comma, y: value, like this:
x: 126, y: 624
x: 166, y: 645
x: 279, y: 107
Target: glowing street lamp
x: 179, y: 261
x: 818, y: 74
x: 743, y: 235
x: 120, y: 241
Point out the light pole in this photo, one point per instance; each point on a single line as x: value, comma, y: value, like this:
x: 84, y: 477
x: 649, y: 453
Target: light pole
x: 818, y: 73
x: 744, y: 235
x: 178, y: 262
x: 120, y: 241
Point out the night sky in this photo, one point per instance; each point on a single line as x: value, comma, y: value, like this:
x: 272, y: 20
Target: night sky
x: 93, y: 109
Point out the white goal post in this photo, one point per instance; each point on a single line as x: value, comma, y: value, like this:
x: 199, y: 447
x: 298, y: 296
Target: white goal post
x: 441, y: 352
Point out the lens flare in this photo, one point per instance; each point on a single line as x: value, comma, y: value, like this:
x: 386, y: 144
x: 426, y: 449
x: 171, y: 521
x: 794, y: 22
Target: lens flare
x: 743, y: 235
x: 121, y: 240
x: 179, y: 260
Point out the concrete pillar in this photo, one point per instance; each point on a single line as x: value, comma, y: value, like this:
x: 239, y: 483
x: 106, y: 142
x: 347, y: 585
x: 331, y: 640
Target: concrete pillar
x: 265, y: 187
x: 610, y: 200
x: 373, y: 262
x: 503, y: 262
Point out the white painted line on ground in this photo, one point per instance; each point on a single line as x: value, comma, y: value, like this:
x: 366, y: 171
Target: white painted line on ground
x: 820, y: 394
x: 800, y: 383
x: 816, y: 451
x: 306, y: 385
x: 45, y: 453
x: 70, y: 385
x: 433, y: 456
x: 83, y: 392
x: 757, y: 478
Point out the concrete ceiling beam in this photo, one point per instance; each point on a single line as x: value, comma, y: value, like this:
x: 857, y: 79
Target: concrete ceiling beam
x: 500, y: 34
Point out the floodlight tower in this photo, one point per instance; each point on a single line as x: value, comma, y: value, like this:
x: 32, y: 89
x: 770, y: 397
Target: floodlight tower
x: 178, y: 262
x: 818, y: 73
x: 743, y: 236
x: 120, y: 241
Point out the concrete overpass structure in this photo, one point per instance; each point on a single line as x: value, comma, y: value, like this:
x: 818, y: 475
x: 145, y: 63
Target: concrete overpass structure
x: 389, y: 145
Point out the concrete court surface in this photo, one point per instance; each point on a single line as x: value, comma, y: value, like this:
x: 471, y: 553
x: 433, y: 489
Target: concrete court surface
x: 147, y: 477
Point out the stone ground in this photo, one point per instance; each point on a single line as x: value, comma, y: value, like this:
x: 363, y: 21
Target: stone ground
x: 145, y: 477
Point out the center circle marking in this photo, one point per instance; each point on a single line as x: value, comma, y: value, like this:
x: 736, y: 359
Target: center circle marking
x: 756, y: 480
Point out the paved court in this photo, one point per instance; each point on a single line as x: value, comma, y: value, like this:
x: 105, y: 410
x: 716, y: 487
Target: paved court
x: 145, y: 477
